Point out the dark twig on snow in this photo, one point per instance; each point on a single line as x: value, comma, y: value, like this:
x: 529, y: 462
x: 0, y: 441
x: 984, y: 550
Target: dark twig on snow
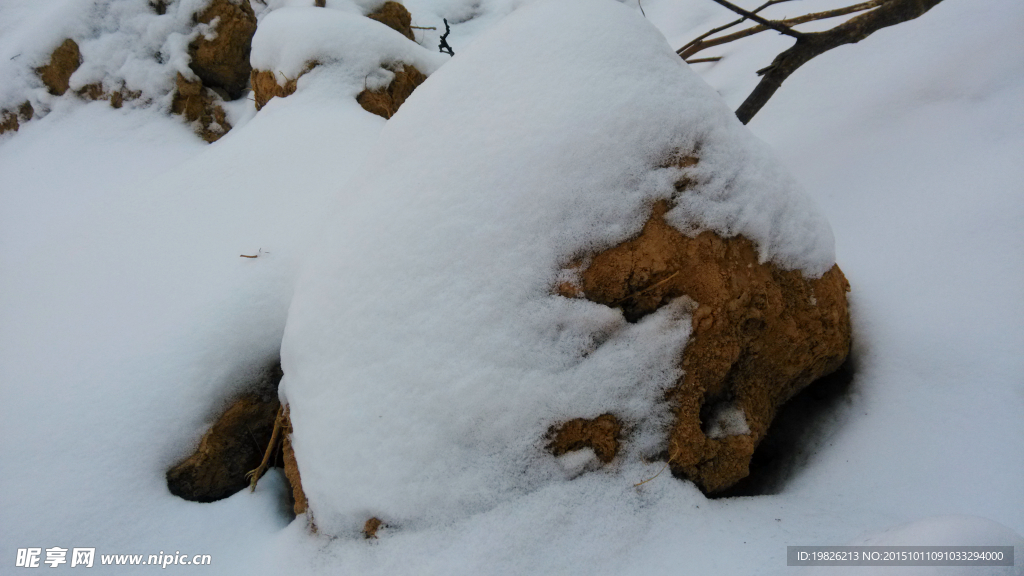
x: 443, y: 46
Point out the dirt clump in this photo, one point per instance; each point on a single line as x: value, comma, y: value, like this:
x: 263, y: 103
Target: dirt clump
x: 386, y: 101
x: 221, y: 60
x: 56, y: 75
x: 265, y: 86
x: 201, y: 107
x: 9, y: 120
x: 600, y: 434
x: 760, y: 334
x: 231, y: 448
x: 371, y: 527
x: 117, y: 98
x: 394, y: 16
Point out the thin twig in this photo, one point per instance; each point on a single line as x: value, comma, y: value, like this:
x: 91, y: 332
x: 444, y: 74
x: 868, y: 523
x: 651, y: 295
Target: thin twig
x: 423, y: 27
x: 714, y: 31
x: 699, y: 60
x: 652, y: 477
x: 444, y: 46
x: 700, y: 44
x: 254, y: 475
x: 769, y: 23
x: 649, y: 288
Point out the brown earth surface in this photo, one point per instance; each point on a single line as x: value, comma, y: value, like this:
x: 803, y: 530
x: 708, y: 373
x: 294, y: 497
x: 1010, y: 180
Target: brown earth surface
x: 232, y: 447
x: 601, y: 434
x: 199, y: 106
x: 63, y: 62
x: 394, y: 16
x: 385, y: 102
x: 759, y: 334
x: 223, y: 62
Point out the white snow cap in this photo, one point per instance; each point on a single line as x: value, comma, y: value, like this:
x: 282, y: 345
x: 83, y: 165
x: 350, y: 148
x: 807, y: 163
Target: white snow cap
x: 289, y: 38
x: 425, y: 355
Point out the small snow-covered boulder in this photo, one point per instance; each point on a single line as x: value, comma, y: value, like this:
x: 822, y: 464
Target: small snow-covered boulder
x: 367, y: 58
x: 465, y: 313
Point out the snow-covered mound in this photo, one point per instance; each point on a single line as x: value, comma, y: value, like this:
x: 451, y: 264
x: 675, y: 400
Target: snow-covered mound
x: 426, y: 355
x: 345, y: 46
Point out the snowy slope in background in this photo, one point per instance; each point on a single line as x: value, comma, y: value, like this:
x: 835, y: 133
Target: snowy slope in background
x: 126, y: 317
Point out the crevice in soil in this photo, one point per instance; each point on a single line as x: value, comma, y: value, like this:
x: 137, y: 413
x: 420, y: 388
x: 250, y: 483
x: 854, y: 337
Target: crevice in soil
x: 795, y: 434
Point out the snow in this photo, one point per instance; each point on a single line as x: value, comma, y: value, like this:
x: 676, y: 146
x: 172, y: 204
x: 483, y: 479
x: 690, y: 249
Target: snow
x: 127, y: 319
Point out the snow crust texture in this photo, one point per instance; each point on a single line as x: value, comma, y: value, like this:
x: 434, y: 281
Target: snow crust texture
x: 426, y: 354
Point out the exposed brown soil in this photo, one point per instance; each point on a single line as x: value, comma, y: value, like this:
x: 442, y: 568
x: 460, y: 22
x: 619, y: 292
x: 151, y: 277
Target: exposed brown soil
x: 394, y: 16
x: 600, y: 434
x: 291, y: 467
x: 231, y: 448
x: 223, y: 62
x: 63, y: 63
x: 386, y: 102
x: 200, y: 106
x: 372, y: 526
x: 9, y: 120
x: 117, y: 98
x: 265, y: 86
x: 760, y: 333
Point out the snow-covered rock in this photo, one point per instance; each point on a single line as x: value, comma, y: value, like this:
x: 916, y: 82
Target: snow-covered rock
x: 427, y: 352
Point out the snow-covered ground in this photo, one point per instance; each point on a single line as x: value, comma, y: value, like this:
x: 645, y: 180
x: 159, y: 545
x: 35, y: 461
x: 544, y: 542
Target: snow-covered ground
x: 127, y: 318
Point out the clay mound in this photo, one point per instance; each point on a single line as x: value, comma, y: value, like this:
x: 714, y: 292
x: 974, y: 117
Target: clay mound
x: 223, y: 61
x: 760, y: 335
x: 63, y: 63
x: 232, y: 447
x: 200, y: 106
x: 600, y: 434
x: 265, y: 86
x: 385, y: 102
x: 396, y: 17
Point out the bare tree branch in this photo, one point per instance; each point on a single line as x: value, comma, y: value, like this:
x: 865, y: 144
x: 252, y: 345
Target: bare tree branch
x: 700, y: 44
x: 813, y: 44
x: 714, y: 31
x: 769, y: 23
x: 699, y: 60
